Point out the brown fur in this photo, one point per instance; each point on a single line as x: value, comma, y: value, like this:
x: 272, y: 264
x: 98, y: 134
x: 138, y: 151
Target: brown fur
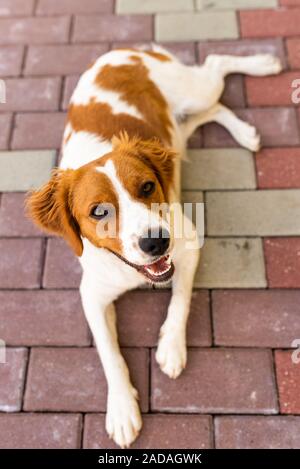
x: 50, y: 208
x: 63, y: 205
x: 136, y: 88
x: 151, y: 153
x: 155, y: 55
x: 158, y: 56
x: 98, y: 118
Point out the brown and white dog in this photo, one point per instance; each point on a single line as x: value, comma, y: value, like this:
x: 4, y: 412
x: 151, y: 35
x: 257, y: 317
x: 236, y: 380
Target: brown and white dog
x: 128, y: 123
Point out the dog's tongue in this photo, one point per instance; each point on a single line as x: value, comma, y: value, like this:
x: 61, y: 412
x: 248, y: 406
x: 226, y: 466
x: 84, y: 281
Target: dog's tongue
x: 159, y: 267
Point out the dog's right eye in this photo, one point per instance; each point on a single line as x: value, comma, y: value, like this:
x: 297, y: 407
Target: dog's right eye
x: 99, y: 212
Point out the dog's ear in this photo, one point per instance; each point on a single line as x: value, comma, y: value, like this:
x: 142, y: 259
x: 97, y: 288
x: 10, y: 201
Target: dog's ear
x: 51, y: 208
x: 153, y: 153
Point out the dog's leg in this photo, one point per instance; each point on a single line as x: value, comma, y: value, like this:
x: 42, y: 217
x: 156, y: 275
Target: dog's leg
x: 171, y: 352
x: 244, y: 133
x: 123, y: 418
x: 257, y: 65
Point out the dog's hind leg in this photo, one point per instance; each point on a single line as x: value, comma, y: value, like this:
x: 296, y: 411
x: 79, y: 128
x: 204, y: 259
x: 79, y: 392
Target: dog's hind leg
x: 256, y: 65
x: 244, y: 133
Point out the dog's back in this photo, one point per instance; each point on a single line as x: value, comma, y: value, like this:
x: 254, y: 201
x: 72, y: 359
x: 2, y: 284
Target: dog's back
x: 117, y: 93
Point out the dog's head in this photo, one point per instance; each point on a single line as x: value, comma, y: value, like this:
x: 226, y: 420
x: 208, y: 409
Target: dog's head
x: 117, y: 202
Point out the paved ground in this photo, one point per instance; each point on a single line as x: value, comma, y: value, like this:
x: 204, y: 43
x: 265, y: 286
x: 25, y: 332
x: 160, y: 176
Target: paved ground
x: 241, y: 388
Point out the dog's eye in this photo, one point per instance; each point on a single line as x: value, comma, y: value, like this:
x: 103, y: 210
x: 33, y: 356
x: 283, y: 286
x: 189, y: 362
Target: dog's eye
x: 98, y: 212
x: 147, y: 188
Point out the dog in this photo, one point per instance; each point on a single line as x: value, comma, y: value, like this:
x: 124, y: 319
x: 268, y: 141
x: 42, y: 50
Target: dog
x: 128, y: 123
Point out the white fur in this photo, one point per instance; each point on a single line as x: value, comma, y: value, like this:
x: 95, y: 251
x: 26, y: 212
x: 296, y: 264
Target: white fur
x: 135, y: 219
x: 195, y: 93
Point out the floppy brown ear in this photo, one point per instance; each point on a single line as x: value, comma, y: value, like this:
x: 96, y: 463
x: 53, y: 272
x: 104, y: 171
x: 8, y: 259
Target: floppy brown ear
x: 50, y: 208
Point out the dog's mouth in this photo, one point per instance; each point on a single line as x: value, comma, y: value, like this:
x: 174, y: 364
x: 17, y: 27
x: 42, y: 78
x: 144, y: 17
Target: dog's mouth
x: 160, y: 270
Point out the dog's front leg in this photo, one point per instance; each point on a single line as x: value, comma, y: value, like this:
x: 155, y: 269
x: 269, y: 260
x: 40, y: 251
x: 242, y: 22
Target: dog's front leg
x: 123, y: 419
x: 171, y: 352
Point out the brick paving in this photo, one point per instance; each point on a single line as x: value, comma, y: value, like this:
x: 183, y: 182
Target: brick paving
x: 240, y: 388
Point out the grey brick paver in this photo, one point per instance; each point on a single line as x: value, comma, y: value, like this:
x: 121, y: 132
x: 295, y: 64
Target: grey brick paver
x: 25, y: 170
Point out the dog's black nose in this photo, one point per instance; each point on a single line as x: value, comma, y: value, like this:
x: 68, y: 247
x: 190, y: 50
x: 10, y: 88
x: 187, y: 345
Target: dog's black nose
x: 155, y: 242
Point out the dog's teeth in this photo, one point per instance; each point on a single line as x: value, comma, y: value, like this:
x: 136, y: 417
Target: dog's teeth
x: 158, y: 274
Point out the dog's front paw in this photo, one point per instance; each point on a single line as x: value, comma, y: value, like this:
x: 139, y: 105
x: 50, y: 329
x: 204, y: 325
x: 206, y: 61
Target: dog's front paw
x: 123, y: 418
x: 171, y: 353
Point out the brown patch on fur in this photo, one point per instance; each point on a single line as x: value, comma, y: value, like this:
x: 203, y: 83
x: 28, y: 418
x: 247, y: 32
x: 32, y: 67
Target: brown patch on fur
x: 93, y: 188
x: 63, y: 206
x: 99, y: 119
x: 50, y: 208
x: 135, y: 87
x: 158, y: 56
x: 140, y: 161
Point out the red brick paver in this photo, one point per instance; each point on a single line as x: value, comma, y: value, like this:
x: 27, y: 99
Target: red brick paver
x: 12, y: 375
x: 62, y: 269
x: 112, y: 28
x: 20, y: 263
x: 51, y: 318
x: 17, y: 7
x: 290, y: 3
x: 32, y: 94
x: 71, y: 379
x: 159, y: 431
x: 218, y: 381
x: 11, y: 60
x: 278, y: 168
x: 293, y: 47
x: 268, y: 23
x: 61, y: 7
x: 271, y: 91
x: 140, y: 315
x: 283, y: 262
x: 288, y: 378
x: 48, y: 126
x: 5, y: 125
x: 244, y: 432
x: 40, y: 431
x: 70, y: 84
x: 256, y: 318
x: 63, y: 59
x: 13, y: 221
x: 34, y: 30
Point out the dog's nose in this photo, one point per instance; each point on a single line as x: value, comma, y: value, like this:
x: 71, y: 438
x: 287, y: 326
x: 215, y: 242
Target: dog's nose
x: 155, y: 243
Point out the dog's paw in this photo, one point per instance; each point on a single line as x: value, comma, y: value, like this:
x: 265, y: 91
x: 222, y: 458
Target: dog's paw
x: 266, y: 64
x: 123, y: 418
x: 171, y: 353
x: 248, y: 137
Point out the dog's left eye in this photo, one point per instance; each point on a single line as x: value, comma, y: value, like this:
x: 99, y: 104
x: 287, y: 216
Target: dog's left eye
x: 98, y: 212
x: 147, y: 188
